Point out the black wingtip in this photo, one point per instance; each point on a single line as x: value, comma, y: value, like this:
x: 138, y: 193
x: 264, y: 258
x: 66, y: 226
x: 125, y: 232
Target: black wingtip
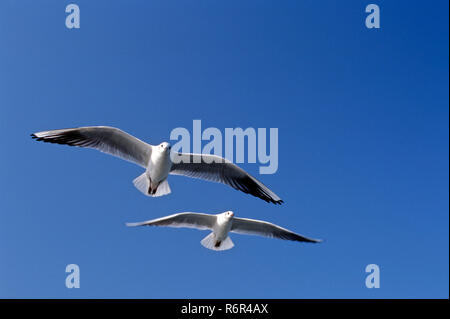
x: 313, y: 240
x: 36, y: 138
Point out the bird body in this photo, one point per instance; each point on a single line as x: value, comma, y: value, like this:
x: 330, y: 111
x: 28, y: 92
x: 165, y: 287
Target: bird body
x: 221, y: 225
x: 158, y: 168
x: 157, y: 161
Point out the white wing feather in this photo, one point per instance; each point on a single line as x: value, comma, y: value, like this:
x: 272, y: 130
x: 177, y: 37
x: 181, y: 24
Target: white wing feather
x: 181, y: 220
x: 266, y: 229
x: 217, y: 169
x: 106, y: 139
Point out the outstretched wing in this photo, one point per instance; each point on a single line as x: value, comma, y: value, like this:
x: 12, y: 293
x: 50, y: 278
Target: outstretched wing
x: 106, y: 139
x: 217, y: 169
x: 266, y: 229
x: 186, y: 220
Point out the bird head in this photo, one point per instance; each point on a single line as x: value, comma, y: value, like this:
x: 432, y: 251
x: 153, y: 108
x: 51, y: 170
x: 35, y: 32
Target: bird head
x: 229, y: 214
x: 164, y: 147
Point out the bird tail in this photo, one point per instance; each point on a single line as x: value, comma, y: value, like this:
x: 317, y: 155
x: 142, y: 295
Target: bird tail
x: 210, y: 242
x: 163, y: 189
x: 144, y: 185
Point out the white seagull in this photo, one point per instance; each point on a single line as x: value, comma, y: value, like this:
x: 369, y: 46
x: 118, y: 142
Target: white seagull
x: 157, y: 161
x: 221, y: 225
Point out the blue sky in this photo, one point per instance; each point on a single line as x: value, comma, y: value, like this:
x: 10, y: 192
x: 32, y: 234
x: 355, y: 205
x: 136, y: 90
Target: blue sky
x: 363, y: 152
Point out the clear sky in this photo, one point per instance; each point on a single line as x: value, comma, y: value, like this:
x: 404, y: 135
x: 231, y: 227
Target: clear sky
x: 363, y: 119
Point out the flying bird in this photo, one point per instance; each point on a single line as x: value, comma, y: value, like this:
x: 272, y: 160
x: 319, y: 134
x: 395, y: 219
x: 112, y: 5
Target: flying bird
x: 221, y: 225
x: 158, y: 161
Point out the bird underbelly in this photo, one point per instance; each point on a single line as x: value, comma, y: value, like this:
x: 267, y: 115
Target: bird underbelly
x: 158, y: 170
x: 221, y: 231
x: 220, y: 236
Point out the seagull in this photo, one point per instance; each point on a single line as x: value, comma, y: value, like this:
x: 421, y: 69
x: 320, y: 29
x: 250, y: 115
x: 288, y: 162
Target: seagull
x: 159, y: 161
x: 221, y: 224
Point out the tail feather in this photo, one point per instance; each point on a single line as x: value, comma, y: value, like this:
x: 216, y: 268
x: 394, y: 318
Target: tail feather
x: 143, y: 184
x: 163, y: 189
x: 210, y: 242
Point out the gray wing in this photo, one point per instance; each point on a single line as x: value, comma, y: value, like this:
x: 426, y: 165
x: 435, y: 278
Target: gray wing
x: 186, y: 220
x: 261, y: 228
x: 106, y: 139
x: 217, y: 169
